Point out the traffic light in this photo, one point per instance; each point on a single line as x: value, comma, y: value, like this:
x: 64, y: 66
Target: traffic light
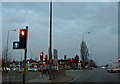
x: 46, y: 58
x: 119, y: 60
x: 23, y: 38
x: 65, y: 57
x: 41, y: 56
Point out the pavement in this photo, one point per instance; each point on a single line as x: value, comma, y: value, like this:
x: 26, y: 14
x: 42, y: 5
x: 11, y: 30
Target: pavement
x: 63, y: 79
x: 60, y: 77
x: 45, y: 78
x: 70, y: 75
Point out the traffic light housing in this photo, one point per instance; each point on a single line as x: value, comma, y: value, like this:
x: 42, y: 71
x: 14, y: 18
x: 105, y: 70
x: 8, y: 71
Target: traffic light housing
x: 46, y: 58
x: 119, y: 60
x: 41, y: 56
x: 23, y: 38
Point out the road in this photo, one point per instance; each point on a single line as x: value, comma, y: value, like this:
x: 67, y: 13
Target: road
x: 97, y: 75
x: 90, y: 76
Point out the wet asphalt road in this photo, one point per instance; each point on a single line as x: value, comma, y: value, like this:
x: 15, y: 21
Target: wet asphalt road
x: 97, y: 75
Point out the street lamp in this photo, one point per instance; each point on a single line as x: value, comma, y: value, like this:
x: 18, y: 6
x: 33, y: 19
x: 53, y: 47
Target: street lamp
x: 7, y: 44
x: 84, y: 34
x: 91, y: 51
x: 30, y: 53
x: 50, y: 43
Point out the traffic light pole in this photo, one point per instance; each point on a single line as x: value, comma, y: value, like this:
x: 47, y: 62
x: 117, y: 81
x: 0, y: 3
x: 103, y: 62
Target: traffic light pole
x: 24, y: 73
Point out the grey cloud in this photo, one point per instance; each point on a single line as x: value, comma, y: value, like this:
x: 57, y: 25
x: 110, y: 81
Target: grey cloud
x: 70, y: 20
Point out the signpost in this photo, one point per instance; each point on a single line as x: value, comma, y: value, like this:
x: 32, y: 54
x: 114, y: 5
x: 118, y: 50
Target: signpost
x: 55, y: 54
x: 56, y: 59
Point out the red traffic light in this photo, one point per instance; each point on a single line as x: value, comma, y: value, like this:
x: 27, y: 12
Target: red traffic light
x: 41, y: 54
x: 119, y: 60
x: 23, y: 38
x: 23, y: 32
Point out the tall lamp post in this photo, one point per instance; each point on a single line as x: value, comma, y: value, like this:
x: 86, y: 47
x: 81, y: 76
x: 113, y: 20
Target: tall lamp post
x: 91, y: 51
x: 84, y: 35
x: 50, y: 43
x: 7, y: 45
x: 30, y: 54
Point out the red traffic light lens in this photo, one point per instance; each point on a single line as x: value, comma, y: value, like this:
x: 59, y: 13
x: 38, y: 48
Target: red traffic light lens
x: 41, y: 54
x: 119, y: 60
x: 23, y: 32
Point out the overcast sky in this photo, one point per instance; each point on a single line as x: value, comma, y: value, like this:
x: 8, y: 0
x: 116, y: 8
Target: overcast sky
x: 70, y: 21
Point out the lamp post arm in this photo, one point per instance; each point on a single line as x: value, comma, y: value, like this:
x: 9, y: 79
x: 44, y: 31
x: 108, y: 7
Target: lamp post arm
x: 83, y: 36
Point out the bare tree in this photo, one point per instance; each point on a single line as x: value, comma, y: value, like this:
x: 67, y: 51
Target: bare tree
x: 76, y: 60
x: 84, y: 54
x: 6, y: 58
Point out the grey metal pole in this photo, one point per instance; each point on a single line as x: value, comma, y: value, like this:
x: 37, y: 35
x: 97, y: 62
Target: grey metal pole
x: 31, y: 54
x: 7, y: 49
x: 24, y: 74
x: 91, y: 53
x: 84, y: 34
x: 29, y: 51
x: 50, y: 53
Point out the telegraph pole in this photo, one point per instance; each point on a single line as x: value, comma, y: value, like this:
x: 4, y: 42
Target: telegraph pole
x: 50, y: 45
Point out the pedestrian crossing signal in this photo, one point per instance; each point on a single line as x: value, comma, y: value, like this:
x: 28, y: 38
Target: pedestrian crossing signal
x: 18, y: 45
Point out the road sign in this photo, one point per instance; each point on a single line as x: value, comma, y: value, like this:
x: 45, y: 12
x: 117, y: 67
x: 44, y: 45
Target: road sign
x: 55, y: 54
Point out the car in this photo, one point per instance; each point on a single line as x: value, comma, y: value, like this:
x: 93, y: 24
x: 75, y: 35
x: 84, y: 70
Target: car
x: 35, y: 69
x: 6, y: 69
x: 103, y: 67
x: 45, y: 69
x: 0, y: 69
x: 113, y: 67
x: 40, y: 69
x: 21, y: 70
x: 30, y: 69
